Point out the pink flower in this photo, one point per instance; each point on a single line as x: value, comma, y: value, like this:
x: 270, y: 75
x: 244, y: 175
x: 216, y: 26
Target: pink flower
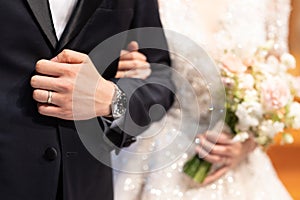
x: 233, y: 63
x: 249, y: 61
x: 288, y: 60
x: 275, y: 93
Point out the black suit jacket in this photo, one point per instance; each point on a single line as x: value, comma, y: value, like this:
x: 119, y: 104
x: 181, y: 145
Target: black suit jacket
x: 39, y: 154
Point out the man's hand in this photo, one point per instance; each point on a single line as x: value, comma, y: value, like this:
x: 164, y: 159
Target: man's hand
x: 69, y: 87
x: 133, y: 64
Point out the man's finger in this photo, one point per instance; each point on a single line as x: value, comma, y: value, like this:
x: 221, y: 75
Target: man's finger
x: 136, y: 73
x: 132, y: 64
x: 133, y: 46
x: 49, y: 110
x: 50, y: 68
x: 71, y: 57
x: 125, y: 55
x: 123, y: 52
x: 139, y: 73
x: 48, y: 83
x: 120, y: 74
x: 41, y: 96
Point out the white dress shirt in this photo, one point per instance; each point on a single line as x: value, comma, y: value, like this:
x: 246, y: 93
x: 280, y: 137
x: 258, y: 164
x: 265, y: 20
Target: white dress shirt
x: 61, y: 11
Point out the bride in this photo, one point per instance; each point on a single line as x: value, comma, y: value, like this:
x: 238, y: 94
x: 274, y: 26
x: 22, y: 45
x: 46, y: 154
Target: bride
x: 246, y: 171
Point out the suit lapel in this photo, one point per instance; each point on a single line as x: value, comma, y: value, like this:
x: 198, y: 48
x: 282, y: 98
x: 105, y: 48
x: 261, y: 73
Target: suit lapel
x: 41, y: 11
x: 84, y: 10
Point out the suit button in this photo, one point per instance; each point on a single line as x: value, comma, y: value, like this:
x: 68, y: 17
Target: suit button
x: 50, y: 154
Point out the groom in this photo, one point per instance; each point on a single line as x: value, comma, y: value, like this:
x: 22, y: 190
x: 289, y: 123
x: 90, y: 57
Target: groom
x: 41, y: 154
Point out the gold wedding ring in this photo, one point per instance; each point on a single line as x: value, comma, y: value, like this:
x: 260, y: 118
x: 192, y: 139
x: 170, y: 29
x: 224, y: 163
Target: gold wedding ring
x: 49, y: 99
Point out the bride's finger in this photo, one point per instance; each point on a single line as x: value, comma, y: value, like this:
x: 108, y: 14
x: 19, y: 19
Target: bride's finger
x: 221, y: 150
x: 220, y: 138
x: 212, y: 148
x: 216, y: 175
x: 215, y: 159
x: 204, y: 143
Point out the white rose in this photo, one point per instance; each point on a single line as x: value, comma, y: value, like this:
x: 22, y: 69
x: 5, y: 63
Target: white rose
x: 264, y: 68
x: 251, y: 95
x: 288, y: 60
x: 249, y: 114
x: 262, y: 140
x: 241, y: 137
x: 295, y: 82
x: 294, y: 115
x: 277, y: 67
x: 271, y: 66
x: 287, y: 138
x: 270, y: 128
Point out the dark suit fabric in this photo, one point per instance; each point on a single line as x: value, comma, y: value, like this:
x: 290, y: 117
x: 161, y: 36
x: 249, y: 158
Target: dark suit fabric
x: 38, y: 152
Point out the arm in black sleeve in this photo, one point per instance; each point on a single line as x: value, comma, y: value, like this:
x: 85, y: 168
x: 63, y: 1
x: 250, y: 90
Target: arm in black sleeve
x: 155, y: 90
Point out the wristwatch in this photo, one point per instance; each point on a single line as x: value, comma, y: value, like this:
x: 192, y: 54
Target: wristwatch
x: 119, y: 103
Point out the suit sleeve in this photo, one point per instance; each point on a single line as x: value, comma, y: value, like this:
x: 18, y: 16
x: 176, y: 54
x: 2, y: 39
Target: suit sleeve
x: 156, y: 90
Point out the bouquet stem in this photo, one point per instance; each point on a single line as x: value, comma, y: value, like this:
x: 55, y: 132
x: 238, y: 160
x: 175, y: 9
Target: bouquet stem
x: 197, y: 168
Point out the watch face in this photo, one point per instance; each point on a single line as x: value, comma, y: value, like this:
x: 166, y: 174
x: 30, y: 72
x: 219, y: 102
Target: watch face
x: 119, y: 104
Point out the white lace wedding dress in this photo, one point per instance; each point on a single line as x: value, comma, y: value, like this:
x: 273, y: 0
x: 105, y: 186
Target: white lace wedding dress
x: 239, y: 25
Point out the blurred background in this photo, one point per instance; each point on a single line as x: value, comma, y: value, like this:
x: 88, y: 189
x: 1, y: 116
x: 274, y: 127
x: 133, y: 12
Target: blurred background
x: 286, y: 158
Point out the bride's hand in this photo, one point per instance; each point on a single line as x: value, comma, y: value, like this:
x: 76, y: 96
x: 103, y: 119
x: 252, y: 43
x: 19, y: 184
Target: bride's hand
x: 133, y: 64
x: 223, y: 153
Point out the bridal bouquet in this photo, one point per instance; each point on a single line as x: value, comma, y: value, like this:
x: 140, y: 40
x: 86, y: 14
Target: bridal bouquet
x: 260, y: 100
